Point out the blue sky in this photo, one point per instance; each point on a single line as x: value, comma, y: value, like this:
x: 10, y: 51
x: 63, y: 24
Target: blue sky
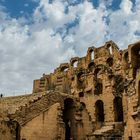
x: 18, y: 8
x: 37, y: 35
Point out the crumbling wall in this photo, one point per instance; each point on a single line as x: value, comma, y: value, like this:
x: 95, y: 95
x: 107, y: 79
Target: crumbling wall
x: 9, y: 130
x: 106, y: 86
x: 98, y: 76
x: 42, y: 127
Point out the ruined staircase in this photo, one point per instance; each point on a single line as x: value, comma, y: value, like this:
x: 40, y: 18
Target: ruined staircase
x: 34, y: 107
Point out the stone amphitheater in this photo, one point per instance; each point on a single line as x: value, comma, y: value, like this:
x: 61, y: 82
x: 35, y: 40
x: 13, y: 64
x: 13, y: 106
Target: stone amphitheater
x: 95, y: 97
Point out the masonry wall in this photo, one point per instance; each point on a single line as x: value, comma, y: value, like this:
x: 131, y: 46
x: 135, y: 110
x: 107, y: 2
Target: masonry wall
x: 94, y: 78
x: 42, y: 127
x: 105, y: 89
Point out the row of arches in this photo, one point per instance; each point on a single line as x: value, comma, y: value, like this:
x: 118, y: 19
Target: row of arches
x: 90, y: 55
x: 69, y: 117
x: 99, y: 109
x: 132, y: 55
x: 118, y: 110
x: 91, y: 65
x: 139, y: 93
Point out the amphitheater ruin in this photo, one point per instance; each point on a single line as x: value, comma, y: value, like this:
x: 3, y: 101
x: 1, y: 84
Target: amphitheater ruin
x: 96, y: 97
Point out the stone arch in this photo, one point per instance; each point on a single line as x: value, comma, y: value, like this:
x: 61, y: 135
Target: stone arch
x: 98, y: 87
x: 139, y: 92
x: 64, y: 67
x: 109, y: 46
x: 109, y: 61
x: 126, y: 57
x: 69, y: 118
x: 91, y: 66
x: 99, y: 111
x: 79, y: 76
x: 98, y: 69
x: 82, y: 106
x: 118, y: 109
x: 135, y: 52
x: 135, y: 57
x: 90, y: 53
x: 80, y: 79
x: 74, y: 62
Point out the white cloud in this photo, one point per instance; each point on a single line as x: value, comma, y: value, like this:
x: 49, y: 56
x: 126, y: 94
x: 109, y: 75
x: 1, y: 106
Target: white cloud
x: 123, y: 24
x: 28, y: 50
x: 126, y: 6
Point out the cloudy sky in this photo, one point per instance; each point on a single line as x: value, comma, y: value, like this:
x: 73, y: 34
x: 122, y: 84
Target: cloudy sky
x: 37, y: 35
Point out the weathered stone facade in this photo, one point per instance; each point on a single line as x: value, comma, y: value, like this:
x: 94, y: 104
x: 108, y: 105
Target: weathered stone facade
x: 96, y: 97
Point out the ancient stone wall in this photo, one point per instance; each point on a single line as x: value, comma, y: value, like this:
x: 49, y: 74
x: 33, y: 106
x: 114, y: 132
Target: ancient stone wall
x: 43, y: 126
x: 105, y: 79
x: 98, y: 97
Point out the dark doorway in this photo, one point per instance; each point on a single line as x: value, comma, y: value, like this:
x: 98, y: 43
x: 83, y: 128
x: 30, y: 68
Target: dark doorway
x: 81, y: 94
x: 67, y: 130
x: 135, y: 58
x: 139, y: 93
x: 118, y: 109
x: 99, y: 111
x: 91, y: 66
x: 98, y: 88
x: 109, y: 61
x: 80, y: 80
x: 68, y: 119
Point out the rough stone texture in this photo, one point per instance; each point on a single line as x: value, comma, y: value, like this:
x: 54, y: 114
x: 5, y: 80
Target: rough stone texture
x: 96, y: 97
x: 40, y: 128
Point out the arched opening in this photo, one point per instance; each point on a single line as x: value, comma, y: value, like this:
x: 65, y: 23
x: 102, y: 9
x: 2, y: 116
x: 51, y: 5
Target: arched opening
x: 99, y: 111
x: 139, y: 93
x: 96, y: 72
x: 126, y: 60
x: 135, y: 52
x: 109, y: 61
x: 80, y: 80
x: 80, y: 76
x: 91, y: 55
x: 91, y: 66
x: 82, y: 106
x: 118, y: 109
x: 64, y: 69
x: 126, y: 57
x: 81, y: 94
x: 135, y: 58
x: 75, y: 64
x: 69, y: 119
x: 109, y: 46
x: 98, y: 88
